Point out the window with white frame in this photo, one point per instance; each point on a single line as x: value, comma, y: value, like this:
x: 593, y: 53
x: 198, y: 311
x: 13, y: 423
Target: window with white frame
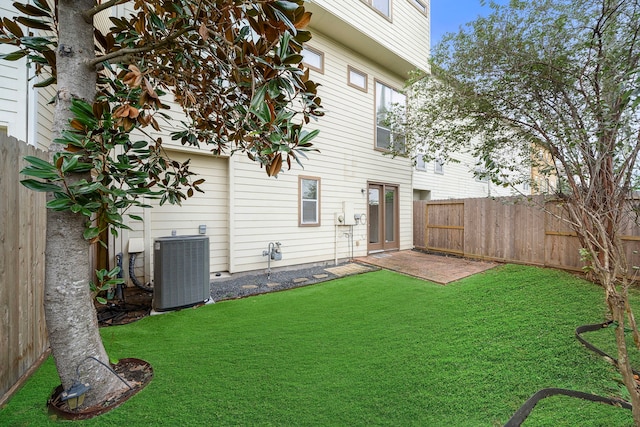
x: 438, y: 167
x: 313, y: 58
x: 357, y: 78
x: 388, y: 100
x: 421, y: 165
x: 309, y: 199
x: 421, y: 5
x: 382, y: 6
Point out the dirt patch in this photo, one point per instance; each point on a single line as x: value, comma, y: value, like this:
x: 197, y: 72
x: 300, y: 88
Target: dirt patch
x: 135, y: 305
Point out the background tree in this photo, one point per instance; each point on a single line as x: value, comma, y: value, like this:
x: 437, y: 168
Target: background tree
x: 234, y: 68
x: 553, y: 76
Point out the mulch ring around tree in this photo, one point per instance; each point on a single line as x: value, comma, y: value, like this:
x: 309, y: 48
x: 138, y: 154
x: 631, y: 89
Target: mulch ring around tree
x: 137, y: 374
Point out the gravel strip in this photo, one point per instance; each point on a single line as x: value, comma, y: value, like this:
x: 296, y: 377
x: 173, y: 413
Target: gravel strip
x: 248, y: 284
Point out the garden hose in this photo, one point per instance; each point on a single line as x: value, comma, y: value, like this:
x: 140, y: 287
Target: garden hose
x: 132, y: 275
x: 521, y: 414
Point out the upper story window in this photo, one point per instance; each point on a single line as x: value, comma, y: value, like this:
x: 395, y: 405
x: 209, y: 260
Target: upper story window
x: 421, y: 5
x: 313, y: 58
x: 382, y: 6
x: 357, y: 79
x: 387, y: 100
x: 421, y: 165
x: 309, y: 200
x: 438, y: 167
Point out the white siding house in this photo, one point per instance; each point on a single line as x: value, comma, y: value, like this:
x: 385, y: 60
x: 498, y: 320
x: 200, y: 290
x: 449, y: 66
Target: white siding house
x: 25, y: 113
x: 436, y: 180
x: 361, y: 56
x: 349, y: 199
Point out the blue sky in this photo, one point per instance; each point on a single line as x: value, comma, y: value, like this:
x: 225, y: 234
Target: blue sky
x: 448, y: 15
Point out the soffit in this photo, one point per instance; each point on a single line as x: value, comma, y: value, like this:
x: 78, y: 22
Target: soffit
x: 348, y: 35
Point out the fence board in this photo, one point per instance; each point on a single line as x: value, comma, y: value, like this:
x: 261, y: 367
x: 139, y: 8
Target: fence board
x: 445, y: 226
x: 511, y: 230
x: 529, y: 241
x: 23, y: 339
x: 419, y: 224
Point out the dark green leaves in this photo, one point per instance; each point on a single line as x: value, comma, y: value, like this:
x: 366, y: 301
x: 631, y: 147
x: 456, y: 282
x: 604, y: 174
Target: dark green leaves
x: 107, y: 280
x: 35, y: 23
x: 40, y: 186
x: 14, y: 56
x: 38, y: 50
x: 40, y: 9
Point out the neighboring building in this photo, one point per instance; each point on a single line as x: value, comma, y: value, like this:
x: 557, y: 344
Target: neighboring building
x: 437, y: 180
x: 25, y: 114
x: 544, y: 176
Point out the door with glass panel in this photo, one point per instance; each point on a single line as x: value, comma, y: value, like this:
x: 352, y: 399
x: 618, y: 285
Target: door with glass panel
x: 383, y: 217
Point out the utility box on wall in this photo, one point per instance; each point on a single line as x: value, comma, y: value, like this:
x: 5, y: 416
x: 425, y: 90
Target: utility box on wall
x: 347, y: 208
x: 180, y: 272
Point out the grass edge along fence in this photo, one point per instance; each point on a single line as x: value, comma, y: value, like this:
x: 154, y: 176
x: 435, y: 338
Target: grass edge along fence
x: 507, y: 229
x: 23, y: 337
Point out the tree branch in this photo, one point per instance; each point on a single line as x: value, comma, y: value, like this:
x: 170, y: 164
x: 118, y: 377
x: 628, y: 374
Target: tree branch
x: 127, y: 52
x: 89, y: 14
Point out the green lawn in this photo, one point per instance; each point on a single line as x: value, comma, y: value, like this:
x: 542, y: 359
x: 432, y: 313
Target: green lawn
x: 373, y: 349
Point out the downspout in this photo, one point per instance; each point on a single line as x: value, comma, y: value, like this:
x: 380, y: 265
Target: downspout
x: 231, y: 213
x: 335, y: 243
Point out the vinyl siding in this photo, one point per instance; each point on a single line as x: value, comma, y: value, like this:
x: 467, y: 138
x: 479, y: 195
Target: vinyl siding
x: 406, y: 34
x: 244, y: 210
x: 457, y: 182
x: 24, y: 111
x: 13, y: 102
x: 263, y: 210
x: 209, y: 209
x: 346, y: 163
x: 13, y: 84
x: 44, y: 112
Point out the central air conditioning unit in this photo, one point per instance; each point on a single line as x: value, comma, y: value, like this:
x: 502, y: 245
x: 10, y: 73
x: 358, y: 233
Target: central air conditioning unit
x: 180, y: 272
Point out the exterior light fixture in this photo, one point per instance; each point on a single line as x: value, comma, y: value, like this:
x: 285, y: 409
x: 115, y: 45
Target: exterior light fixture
x: 75, y: 395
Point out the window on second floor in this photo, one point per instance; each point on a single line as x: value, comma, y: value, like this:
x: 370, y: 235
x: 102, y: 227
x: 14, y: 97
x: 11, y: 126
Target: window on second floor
x: 382, y: 6
x: 313, y: 58
x: 438, y: 167
x: 420, y: 163
x: 421, y: 5
x: 357, y: 78
x: 388, y: 100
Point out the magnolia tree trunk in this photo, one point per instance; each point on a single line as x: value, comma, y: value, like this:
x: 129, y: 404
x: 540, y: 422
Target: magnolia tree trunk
x: 70, y: 314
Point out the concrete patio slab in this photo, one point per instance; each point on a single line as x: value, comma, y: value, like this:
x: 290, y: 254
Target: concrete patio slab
x: 348, y: 269
x: 441, y: 269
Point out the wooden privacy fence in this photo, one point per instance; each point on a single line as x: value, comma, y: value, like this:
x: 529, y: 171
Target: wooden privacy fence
x: 506, y: 229
x: 23, y: 338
